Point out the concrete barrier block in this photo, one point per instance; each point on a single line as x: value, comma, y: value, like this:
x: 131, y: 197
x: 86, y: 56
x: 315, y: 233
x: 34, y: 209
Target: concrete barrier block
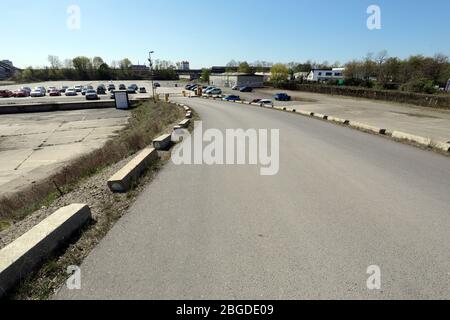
x: 305, y: 113
x: 413, y: 138
x: 26, y: 253
x: 339, y: 120
x: 441, y: 146
x: 367, y: 127
x: 163, y: 142
x: 319, y: 115
x: 185, y: 123
x: 121, y: 181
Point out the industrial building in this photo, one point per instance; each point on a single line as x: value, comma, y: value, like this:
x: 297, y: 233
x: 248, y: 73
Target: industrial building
x: 229, y: 80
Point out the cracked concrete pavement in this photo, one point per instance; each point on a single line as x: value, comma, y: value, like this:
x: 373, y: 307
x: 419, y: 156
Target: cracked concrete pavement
x: 32, y: 146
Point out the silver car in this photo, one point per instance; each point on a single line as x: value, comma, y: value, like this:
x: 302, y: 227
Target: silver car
x: 71, y: 92
x: 37, y: 92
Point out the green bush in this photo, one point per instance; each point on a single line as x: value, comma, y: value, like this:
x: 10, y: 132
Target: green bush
x: 419, y: 86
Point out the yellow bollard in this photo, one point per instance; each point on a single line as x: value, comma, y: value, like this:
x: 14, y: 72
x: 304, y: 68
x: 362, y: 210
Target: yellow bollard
x: 167, y: 97
x: 184, y: 93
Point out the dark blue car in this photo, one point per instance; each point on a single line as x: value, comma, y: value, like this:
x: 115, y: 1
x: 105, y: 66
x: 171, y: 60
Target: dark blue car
x: 246, y: 89
x: 282, y: 97
x: 231, y: 98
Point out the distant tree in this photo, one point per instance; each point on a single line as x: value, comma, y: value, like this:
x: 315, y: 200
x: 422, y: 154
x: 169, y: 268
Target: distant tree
x: 68, y: 63
x: 125, y: 69
x: 244, y: 67
x: 82, y: 66
x: 104, y: 72
x: 125, y: 63
x: 97, y: 62
x: 233, y: 64
x: 205, y: 75
x: 54, y: 61
x: 279, y: 72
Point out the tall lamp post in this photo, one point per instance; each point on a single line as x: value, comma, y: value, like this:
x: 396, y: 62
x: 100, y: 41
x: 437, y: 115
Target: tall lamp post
x: 151, y: 73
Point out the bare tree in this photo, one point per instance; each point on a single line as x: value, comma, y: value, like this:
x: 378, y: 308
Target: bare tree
x: 55, y: 63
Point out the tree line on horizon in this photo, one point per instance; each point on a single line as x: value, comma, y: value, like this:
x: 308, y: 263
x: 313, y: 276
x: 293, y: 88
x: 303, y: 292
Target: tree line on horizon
x: 85, y: 69
x: 417, y: 73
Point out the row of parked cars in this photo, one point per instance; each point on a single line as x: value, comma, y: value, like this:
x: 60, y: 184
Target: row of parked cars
x: 214, y: 91
x: 88, y: 91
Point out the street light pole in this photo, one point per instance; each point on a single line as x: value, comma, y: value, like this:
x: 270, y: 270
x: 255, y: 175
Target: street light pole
x: 151, y: 73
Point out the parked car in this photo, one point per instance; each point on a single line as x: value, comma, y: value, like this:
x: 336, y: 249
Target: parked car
x: 101, y: 89
x: 37, y: 92
x: 282, y: 97
x: 28, y: 89
x: 188, y: 86
x: 156, y: 85
x: 231, y: 97
x: 63, y: 89
x: 91, y: 94
x: 111, y: 87
x: 135, y: 86
x: 214, y: 92
x: 70, y: 92
x: 20, y: 93
x: 54, y: 93
x: 235, y: 88
x: 50, y: 89
x: 207, y: 89
x: 246, y: 89
x: 43, y: 90
x: 122, y: 87
x: 265, y: 102
x: 85, y: 89
x: 6, y: 93
x: 142, y: 90
x: 78, y: 88
x: 131, y: 90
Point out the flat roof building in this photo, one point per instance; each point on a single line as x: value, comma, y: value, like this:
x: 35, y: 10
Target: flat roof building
x: 229, y: 80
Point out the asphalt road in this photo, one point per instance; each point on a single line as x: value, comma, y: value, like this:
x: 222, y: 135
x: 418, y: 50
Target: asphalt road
x: 342, y: 201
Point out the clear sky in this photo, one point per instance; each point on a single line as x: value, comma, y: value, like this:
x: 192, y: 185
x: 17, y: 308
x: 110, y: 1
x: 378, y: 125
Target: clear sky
x: 208, y: 33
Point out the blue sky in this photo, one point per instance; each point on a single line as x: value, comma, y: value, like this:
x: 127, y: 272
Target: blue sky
x: 208, y: 33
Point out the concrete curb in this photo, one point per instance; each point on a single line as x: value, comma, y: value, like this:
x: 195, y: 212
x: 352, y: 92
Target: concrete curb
x: 367, y: 127
x: 121, y: 181
x: 26, y: 253
x: 185, y: 123
x: 163, y: 142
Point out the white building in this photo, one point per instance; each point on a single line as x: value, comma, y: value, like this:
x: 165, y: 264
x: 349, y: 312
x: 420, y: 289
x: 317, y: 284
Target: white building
x: 183, y: 65
x: 229, y: 80
x: 318, y: 75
